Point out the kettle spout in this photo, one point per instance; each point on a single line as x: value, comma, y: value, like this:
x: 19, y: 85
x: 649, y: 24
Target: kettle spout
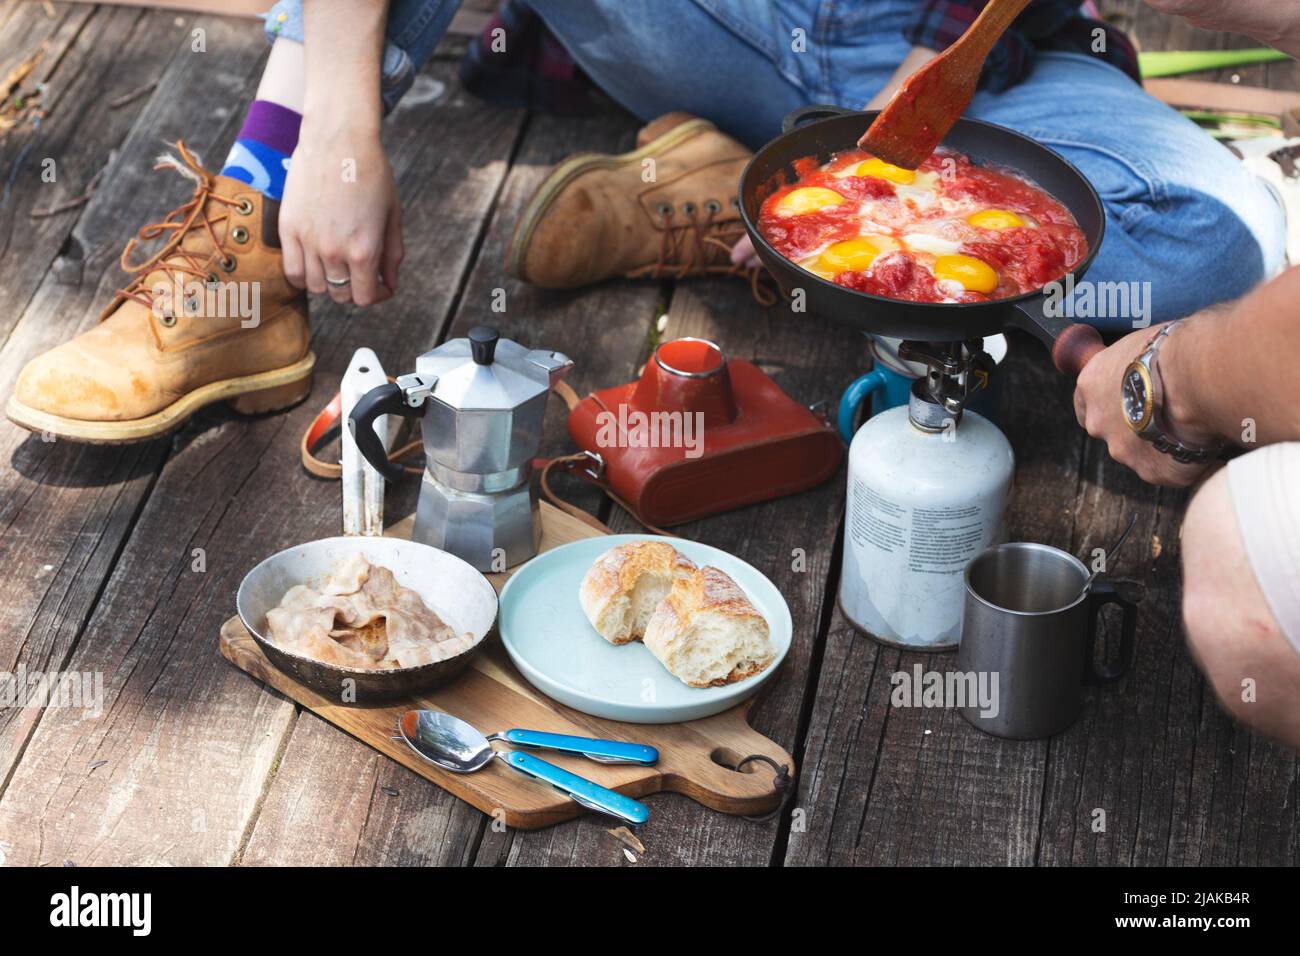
x: 556, y: 364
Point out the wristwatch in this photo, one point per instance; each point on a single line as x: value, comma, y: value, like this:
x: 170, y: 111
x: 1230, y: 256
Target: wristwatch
x: 1142, y: 395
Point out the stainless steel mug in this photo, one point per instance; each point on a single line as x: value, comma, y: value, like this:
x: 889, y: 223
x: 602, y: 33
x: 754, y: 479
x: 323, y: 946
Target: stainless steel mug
x: 1028, y: 621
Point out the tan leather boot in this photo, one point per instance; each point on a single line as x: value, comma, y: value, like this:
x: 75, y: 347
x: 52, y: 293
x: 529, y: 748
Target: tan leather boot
x: 596, y: 216
x: 209, y: 317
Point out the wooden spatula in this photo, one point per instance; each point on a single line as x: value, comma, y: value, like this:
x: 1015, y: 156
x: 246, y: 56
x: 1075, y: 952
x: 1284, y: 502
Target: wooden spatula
x: 918, y: 117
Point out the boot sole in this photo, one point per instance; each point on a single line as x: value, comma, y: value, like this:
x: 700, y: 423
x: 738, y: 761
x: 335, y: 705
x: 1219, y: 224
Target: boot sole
x: 248, y: 394
x: 571, y: 169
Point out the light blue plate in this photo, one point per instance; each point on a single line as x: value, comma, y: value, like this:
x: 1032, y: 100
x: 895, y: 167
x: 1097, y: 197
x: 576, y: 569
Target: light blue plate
x: 556, y: 648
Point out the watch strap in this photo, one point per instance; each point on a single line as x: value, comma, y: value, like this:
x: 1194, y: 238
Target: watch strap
x: 1159, y: 435
x: 1179, y: 452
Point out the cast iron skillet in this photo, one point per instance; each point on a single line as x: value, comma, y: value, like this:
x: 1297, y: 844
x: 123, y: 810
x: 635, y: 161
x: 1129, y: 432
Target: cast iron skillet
x: 1072, y: 345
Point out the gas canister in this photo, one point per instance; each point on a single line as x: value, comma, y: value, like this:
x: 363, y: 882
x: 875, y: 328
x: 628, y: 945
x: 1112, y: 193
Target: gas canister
x: 927, y: 491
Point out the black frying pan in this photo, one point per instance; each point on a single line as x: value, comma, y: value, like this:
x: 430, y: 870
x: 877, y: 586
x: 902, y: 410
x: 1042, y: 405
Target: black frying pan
x: 1072, y: 345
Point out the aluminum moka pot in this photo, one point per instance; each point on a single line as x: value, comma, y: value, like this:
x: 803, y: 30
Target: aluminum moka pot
x: 481, y: 401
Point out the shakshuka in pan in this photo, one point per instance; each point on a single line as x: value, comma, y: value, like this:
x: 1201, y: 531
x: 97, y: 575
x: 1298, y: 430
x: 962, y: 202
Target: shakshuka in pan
x: 950, y: 231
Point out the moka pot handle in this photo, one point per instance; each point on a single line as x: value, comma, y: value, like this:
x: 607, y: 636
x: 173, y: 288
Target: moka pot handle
x: 404, y: 397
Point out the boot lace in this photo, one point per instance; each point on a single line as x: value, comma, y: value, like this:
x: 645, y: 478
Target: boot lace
x: 193, y: 214
x: 698, y: 244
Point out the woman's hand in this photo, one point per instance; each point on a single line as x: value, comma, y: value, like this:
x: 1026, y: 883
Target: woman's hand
x: 340, y: 218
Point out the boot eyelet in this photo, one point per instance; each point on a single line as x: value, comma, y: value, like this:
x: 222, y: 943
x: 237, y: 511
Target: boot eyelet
x: 239, y: 234
x: 688, y: 208
x: 735, y: 202
x: 664, y: 209
x: 192, y: 306
x: 228, y: 263
x: 713, y: 206
x: 167, y: 319
x: 245, y: 207
x: 212, y: 279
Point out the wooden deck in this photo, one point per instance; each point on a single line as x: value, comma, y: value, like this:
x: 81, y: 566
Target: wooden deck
x: 192, y: 762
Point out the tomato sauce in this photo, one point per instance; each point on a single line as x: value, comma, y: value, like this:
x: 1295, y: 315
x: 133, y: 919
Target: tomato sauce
x: 951, y: 231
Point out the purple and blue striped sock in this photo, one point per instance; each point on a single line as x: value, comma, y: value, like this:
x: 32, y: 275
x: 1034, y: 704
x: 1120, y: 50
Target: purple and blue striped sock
x: 260, y: 156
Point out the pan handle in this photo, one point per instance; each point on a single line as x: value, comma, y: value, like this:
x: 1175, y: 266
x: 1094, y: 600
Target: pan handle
x: 1072, y: 344
x: 813, y: 111
x: 1075, y: 348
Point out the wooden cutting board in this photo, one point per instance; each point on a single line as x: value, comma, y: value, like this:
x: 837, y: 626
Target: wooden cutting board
x: 695, y: 758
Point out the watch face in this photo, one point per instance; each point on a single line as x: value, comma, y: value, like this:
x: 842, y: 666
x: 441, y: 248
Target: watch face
x: 1137, y: 397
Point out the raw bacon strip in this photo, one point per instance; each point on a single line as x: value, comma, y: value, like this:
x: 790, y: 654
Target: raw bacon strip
x: 362, y: 618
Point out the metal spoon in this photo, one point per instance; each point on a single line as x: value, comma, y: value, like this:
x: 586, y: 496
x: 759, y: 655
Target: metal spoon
x: 1087, y: 585
x: 454, y: 745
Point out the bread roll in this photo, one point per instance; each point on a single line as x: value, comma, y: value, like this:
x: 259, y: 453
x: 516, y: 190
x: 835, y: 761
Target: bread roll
x: 625, y: 584
x: 707, y: 632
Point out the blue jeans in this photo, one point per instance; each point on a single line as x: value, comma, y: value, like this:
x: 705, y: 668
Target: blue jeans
x: 1181, y: 212
x: 413, y: 30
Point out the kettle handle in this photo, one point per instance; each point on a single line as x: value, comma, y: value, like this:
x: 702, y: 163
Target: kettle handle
x: 382, y: 400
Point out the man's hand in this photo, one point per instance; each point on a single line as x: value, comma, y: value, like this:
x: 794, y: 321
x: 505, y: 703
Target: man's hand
x: 341, y: 217
x: 1098, y: 407
x: 1275, y: 22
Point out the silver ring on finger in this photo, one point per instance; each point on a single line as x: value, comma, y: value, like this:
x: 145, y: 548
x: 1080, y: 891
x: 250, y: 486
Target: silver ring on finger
x: 339, y: 283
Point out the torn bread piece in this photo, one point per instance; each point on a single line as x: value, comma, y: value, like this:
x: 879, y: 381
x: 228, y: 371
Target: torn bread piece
x: 707, y: 632
x: 625, y: 584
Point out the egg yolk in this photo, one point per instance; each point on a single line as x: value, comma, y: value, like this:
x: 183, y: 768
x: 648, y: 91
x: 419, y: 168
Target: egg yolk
x: 972, y: 274
x: 850, y: 255
x: 995, y: 219
x: 883, y: 170
x: 884, y: 243
x: 807, y: 199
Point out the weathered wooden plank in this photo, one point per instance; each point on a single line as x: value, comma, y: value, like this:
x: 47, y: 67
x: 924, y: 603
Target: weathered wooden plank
x: 1179, y: 783
x: 1107, y: 761
x: 96, y: 57
x: 895, y: 785
x: 812, y: 360
x: 178, y: 720
x: 66, y: 508
x: 7, y: 10
x: 27, y: 27
x: 336, y: 802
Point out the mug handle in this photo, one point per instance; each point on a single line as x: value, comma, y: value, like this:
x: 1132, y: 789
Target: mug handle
x: 854, y: 395
x: 1103, y: 593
